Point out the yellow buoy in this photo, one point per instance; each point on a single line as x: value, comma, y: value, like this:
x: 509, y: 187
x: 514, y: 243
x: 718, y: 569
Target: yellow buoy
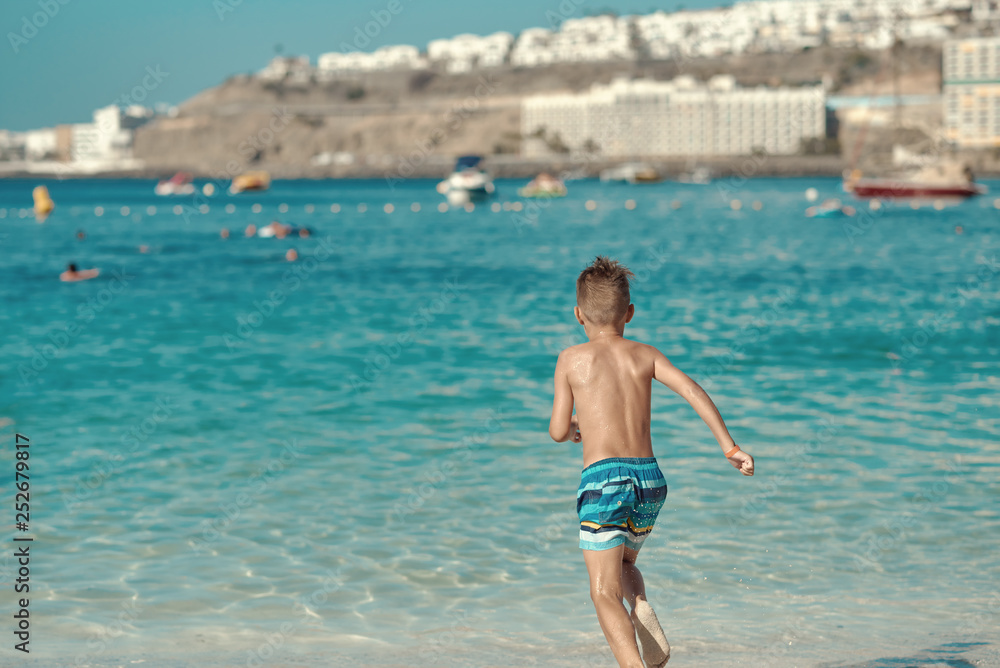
x: 43, y: 203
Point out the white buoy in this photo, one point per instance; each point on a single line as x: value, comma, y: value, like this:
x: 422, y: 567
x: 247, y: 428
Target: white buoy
x: 362, y: 208
x: 125, y: 210
x: 150, y: 210
x: 875, y: 204
x: 516, y: 206
x: 736, y: 205
x: 282, y: 208
x: 676, y: 204
x: 208, y: 189
x: 178, y: 209
x: 310, y: 208
x: 388, y: 208
x: 470, y: 207
x: 495, y: 207
x: 415, y: 207
x: 98, y: 210
x: 203, y: 208
x: 629, y: 204
x: 758, y: 205
x: 3, y: 213
x: 812, y: 194
x: 442, y: 207
x: 230, y: 208
x: 590, y: 205
x: 334, y: 208
x: 256, y: 208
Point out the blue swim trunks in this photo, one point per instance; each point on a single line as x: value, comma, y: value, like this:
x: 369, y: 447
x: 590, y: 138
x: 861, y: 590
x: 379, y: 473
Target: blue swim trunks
x: 618, y: 501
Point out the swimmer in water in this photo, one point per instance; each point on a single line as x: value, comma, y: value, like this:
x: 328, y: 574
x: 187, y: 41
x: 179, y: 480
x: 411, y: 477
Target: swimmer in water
x: 224, y: 233
x: 73, y: 274
x: 81, y: 235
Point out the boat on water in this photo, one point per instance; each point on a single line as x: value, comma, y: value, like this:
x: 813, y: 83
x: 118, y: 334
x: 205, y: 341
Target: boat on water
x: 632, y: 172
x: 940, y: 181
x: 543, y: 186
x: 250, y: 181
x: 468, y: 182
x: 178, y: 184
x: 699, y: 176
x: 831, y: 208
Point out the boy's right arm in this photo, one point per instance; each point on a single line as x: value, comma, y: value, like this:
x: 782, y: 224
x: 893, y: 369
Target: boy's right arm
x: 692, y: 392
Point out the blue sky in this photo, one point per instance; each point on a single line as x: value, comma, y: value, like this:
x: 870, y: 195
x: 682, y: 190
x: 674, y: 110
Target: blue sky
x: 88, y: 53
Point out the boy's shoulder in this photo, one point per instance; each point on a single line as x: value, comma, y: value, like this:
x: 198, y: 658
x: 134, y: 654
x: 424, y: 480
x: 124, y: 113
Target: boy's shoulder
x: 588, y: 348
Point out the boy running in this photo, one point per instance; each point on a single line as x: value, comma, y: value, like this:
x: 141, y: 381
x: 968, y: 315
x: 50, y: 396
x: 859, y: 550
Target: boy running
x: 608, y: 379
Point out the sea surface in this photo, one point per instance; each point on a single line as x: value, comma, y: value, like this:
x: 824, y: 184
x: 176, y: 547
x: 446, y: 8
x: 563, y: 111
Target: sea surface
x: 241, y: 460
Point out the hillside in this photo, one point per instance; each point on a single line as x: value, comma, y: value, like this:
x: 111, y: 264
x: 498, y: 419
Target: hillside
x: 413, y: 123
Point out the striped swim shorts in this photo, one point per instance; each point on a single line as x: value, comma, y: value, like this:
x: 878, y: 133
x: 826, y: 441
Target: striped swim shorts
x: 618, y: 501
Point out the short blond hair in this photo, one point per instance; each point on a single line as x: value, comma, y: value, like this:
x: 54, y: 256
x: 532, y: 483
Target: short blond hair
x: 602, y: 291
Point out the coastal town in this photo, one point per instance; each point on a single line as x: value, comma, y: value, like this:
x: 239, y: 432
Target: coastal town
x: 682, y: 86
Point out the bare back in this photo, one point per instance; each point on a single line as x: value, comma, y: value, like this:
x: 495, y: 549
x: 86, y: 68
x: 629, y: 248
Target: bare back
x: 611, y: 384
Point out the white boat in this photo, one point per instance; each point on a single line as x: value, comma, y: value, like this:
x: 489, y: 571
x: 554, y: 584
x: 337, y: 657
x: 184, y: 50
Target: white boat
x: 699, y: 176
x: 469, y: 182
x: 178, y: 184
x: 632, y: 172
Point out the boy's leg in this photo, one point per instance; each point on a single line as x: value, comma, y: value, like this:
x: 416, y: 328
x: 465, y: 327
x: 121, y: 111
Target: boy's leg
x: 632, y: 582
x: 605, y: 569
x: 655, y: 648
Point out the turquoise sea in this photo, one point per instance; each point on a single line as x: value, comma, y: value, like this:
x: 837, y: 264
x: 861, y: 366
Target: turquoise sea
x: 238, y: 460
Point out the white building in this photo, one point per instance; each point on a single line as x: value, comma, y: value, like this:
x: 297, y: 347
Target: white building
x: 588, y: 39
x: 463, y: 53
x: 643, y: 118
x: 109, y: 138
x: 972, y: 91
x: 398, y: 57
x: 296, y: 69
x: 39, y: 144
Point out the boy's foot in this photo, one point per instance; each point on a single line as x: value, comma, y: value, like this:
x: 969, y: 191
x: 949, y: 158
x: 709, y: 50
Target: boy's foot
x: 655, y: 648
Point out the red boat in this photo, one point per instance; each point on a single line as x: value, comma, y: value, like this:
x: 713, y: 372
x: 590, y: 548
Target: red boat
x: 928, y: 184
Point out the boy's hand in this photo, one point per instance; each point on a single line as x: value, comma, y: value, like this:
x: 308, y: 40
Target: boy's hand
x: 742, y: 461
x: 574, y: 430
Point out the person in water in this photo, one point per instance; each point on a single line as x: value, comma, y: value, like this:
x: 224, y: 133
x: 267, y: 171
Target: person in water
x: 73, y: 274
x: 608, y: 380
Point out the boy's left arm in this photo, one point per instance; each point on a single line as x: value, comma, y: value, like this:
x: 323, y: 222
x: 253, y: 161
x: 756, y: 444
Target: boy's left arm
x: 563, y: 425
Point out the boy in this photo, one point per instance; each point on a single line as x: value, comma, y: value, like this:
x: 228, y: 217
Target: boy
x: 621, y: 489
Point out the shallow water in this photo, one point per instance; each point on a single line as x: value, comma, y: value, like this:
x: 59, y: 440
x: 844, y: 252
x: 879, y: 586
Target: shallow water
x: 345, y: 460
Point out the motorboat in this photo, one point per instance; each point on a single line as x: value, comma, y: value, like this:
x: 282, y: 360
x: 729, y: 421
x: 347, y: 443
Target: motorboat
x: 468, y: 182
x: 632, y: 172
x: 250, y: 181
x: 178, y: 184
x: 543, y: 186
x: 699, y: 176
